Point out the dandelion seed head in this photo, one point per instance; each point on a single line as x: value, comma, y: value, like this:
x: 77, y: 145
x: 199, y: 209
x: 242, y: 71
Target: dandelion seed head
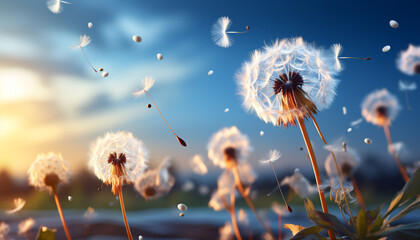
x: 218, y: 32
x: 409, y: 60
x: 228, y: 144
x: 406, y: 86
x: 287, y: 80
x: 47, y: 171
x: 380, y: 107
x: 117, y: 159
x: 273, y: 156
x: 148, y: 83
x: 198, y: 165
x: 157, y: 182
x: 25, y: 225
x: 347, y: 161
x: 19, y: 204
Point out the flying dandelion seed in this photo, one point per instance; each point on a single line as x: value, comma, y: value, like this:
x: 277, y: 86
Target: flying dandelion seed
x: 409, y: 60
x: 89, y: 213
x: 140, y: 237
x: 368, y: 141
x: 100, y: 69
x: 220, y: 32
x: 182, y: 207
x: 299, y: 184
x: 210, y: 72
x: 84, y: 41
x: 393, y: 24
x: 198, y: 165
x: 137, y: 38
x: 90, y: 25
x: 386, y: 48
x: 226, y: 110
x: 25, y: 225
x: 405, y: 87
x: 118, y: 159
x: 148, y: 83
x: 105, y: 74
x: 349, y: 130
x: 19, y: 204
x: 47, y: 172
x: 274, y: 155
x: 344, y: 111
x: 70, y: 198
x: 181, y: 214
x: 356, y: 122
x: 55, y: 6
x: 243, y: 217
x: 159, y: 56
x: 149, y: 105
x: 337, y: 49
x: 261, y: 133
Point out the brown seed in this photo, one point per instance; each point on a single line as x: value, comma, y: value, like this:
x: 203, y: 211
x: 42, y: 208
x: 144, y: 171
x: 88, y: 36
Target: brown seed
x: 181, y: 141
x: 181, y: 214
x: 149, y: 105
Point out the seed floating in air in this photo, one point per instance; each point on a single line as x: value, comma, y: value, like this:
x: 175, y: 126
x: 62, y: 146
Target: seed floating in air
x: 344, y: 111
x: 137, y: 38
x: 393, y: 24
x: 386, y: 48
x: 227, y: 110
x: 140, y: 237
x: 182, y: 207
x: 349, y: 130
x: 261, y: 133
x: 181, y: 214
x: 90, y: 25
x: 368, y: 141
x: 149, y: 105
x: 84, y: 41
x: 159, y: 56
x: 101, y: 69
x: 70, y: 198
x: 210, y: 72
x: 105, y: 74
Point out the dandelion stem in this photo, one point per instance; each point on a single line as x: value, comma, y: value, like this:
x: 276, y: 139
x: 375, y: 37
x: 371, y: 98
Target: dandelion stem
x: 127, y: 228
x: 88, y: 60
x: 60, y: 211
x: 280, y: 229
x: 394, y: 154
x: 358, y: 193
x: 278, y: 185
x: 180, y: 140
x: 308, y: 144
x: 233, y: 215
x: 336, y: 165
x: 246, y: 197
x: 406, y: 100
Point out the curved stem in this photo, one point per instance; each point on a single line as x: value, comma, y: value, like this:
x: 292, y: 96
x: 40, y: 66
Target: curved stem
x: 336, y: 166
x: 394, y: 154
x: 88, y: 60
x: 278, y: 185
x: 127, y: 228
x: 358, y: 193
x: 246, y: 197
x: 308, y: 144
x: 60, y: 211
x: 233, y: 215
x: 280, y: 231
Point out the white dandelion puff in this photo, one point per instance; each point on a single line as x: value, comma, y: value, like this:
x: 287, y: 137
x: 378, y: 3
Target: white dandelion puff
x: 409, y: 60
x: 380, y: 107
x: 347, y: 161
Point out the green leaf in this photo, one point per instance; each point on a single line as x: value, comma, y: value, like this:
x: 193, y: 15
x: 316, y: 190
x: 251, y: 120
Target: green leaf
x: 376, y: 225
x: 413, y: 206
x: 404, y: 231
x: 309, y: 233
x: 45, y: 233
x: 361, y: 224
x: 411, y: 189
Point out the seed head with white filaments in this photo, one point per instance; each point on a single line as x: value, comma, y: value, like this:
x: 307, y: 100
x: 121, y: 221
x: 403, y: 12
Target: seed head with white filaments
x: 118, y: 159
x: 48, y: 171
x: 380, y: 107
x: 287, y: 80
x: 409, y: 60
x: 55, y: 6
x: 155, y: 183
x: 273, y: 156
x: 84, y: 41
x: 227, y: 146
x: 148, y: 83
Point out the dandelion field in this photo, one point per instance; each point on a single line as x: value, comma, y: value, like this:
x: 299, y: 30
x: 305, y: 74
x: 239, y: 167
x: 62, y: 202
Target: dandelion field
x: 209, y: 120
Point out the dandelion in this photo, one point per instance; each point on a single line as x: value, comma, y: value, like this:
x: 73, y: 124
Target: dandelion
x: 274, y: 155
x: 84, y: 41
x: 219, y: 32
x: 289, y: 82
x: 19, y: 204
x: 155, y: 183
x: 198, y: 165
x: 148, y: 83
x: 47, y: 172
x: 393, y: 24
x: 4, y: 230
x: 118, y: 159
x: 405, y: 87
x: 25, y: 225
x: 409, y: 60
x: 299, y: 184
x: 381, y: 108
x: 337, y: 51
x: 55, y: 6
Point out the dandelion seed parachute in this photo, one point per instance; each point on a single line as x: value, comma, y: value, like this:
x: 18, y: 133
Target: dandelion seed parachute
x: 55, y: 6
x: 406, y: 86
x: 218, y: 32
x: 198, y: 165
x: 19, y: 204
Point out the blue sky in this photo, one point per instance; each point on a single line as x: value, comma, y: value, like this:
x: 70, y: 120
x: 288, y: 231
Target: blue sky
x: 63, y: 105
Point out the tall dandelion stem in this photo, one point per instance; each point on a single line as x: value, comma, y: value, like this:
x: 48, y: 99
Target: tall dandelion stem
x: 60, y: 211
x: 246, y: 197
x: 233, y: 215
x: 127, y: 228
x: 394, y: 154
x: 336, y: 166
x: 278, y: 185
x: 308, y: 144
x: 87, y: 59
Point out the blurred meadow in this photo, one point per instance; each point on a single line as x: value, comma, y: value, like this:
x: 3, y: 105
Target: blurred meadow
x: 102, y: 94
